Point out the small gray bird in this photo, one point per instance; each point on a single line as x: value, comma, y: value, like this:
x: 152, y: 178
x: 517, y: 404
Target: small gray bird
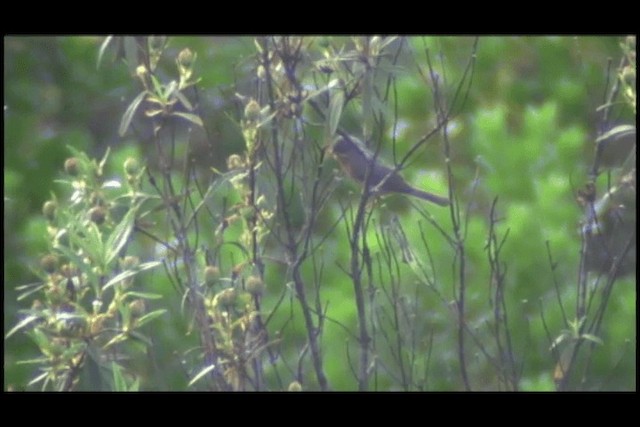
x: 354, y: 160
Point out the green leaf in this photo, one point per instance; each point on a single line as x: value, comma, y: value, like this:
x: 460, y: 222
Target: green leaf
x: 149, y: 317
x: 76, y: 260
x: 91, y: 244
x: 126, y: 274
x: 201, y: 374
x: 592, y: 338
x: 24, y: 322
x: 38, y: 378
x: 103, y: 161
x: 333, y: 83
x: 617, y: 132
x: 153, y: 113
x: 120, y: 235
x: 40, y: 338
x: 68, y: 316
x: 103, y: 47
x: 115, y: 340
x: 37, y: 361
x: 387, y: 41
x: 131, y: 53
x: 30, y: 289
x: 561, y: 338
x: 135, y: 386
x: 144, y: 295
x: 119, y: 383
x: 130, y: 112
x: 183, y: 99
x: 335, y: 111
x: 135, y: 335
x: 157, y: 87
x: 169, y: 90
x: 258, y: 46
x: 190, y: 117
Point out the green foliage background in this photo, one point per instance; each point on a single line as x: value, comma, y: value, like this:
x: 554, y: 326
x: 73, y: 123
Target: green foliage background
x: 525, y: 135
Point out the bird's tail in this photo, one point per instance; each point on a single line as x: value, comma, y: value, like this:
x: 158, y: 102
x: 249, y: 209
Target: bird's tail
x: 438, y: 200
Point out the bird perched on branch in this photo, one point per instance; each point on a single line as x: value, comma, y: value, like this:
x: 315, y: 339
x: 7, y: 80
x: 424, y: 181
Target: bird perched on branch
x: 355, y: 160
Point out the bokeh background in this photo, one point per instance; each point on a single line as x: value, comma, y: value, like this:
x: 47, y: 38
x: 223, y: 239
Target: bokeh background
x: 525, y: 134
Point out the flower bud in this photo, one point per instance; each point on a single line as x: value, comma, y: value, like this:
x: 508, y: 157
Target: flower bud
x: 185, y: 58
x: 227, y: 297
x: 71, y: 166
x: 234, y: 161
x: 261, y: 72
x: 97, y: 215
x: 141, y: 72
x: 49, y: 209
x: 131, y: 166
x: 96, y: 305
x: 97, y: 199
x: 137, y: 307
x: 295, y: 386
x: 49, y: 263
x: 252, y: 111
x: 255, y: 286
x: 130, y: 262
x: 211, y: 275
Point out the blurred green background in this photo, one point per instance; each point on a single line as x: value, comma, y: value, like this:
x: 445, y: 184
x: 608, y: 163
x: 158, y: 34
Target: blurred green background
x: 525, y: 134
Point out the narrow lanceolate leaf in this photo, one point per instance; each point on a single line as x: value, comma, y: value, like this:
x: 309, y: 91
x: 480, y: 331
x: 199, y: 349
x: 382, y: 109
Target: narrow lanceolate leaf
x: 335, y: 111
x: 191, y: 117
x: 183, y: 99
x: 332, y: 84
x: 618, y: 132
x: 119, y: 384
x: 592, y: 338
x: 103, y: 48
x: 144, y: 295
x: 201, y: 374
x: 131, y: 110
x: 131, y: 53
x: 126, y: 274
x: 39, y: 378
x: 120, y: 235
x: 103, y: 161
x: 149, y: 317
x: 28, y: 290
x: 115, y: 340
x: 24, y: 322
